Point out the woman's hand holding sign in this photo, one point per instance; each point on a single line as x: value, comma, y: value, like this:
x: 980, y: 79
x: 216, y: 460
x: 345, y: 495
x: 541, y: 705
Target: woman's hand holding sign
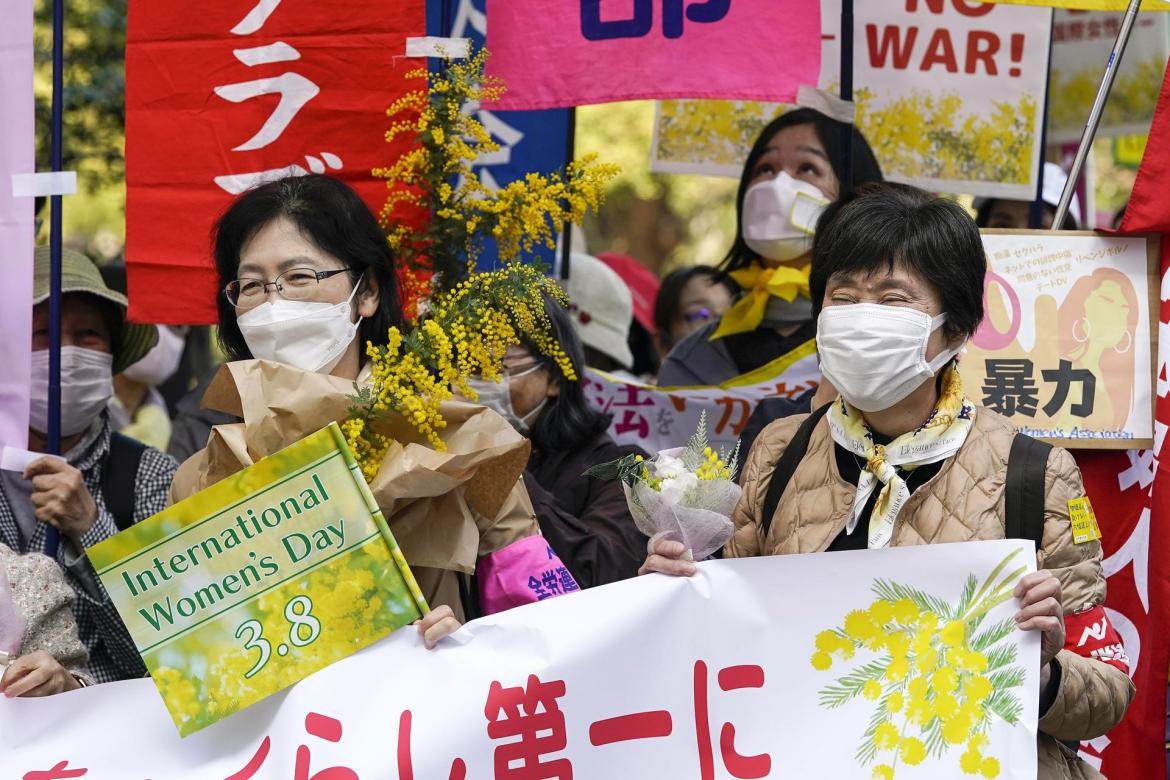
x: 1041, y: 610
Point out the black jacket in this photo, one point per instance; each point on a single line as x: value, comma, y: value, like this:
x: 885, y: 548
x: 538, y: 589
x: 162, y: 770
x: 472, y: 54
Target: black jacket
x: 586, y: 520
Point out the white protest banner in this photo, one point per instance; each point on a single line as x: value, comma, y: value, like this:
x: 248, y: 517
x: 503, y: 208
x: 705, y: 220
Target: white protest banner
x: 1066, y: 347
x: 658, y: 418
x: 950, y: 95
x: 16, y: 221
x: 753, y: 668
x: 1081, y: 41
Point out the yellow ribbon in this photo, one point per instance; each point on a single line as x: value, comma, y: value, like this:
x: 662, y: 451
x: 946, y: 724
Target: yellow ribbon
x: 761, y: 284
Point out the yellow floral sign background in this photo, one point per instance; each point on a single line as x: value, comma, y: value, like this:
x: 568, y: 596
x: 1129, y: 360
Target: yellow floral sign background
x: 1080, y: 46
x: 309, y: 596
x: 930, y: 124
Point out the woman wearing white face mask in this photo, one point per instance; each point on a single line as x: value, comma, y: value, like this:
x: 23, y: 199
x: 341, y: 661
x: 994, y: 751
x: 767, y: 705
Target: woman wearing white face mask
x: 99, y: 486
x: 307, y: 280
x: 586, y: 520
x: 901, y: 458
x: 792, y: 173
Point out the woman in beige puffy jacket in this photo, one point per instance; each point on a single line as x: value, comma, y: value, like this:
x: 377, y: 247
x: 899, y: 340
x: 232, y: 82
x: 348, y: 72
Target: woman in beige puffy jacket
x: 901, y: 458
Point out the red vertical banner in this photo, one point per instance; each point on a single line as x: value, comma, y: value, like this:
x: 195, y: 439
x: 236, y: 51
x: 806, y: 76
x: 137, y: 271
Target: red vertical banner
x: 225, y: 94
x: 1131, y: 491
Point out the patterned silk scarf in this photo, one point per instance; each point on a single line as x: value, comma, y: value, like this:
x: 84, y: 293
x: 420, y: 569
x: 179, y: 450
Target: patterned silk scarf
x: 937, y: 439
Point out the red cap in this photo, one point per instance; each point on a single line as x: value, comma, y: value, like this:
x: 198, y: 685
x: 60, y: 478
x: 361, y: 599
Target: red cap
x: 643, y: 284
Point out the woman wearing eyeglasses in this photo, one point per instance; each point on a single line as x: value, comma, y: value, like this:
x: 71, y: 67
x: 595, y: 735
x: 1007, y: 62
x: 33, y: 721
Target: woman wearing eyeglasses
x: 307, y: 280
x: 688, y: 299
x: 586, y: 520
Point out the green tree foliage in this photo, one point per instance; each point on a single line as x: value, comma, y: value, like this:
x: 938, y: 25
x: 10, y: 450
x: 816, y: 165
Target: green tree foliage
x: 95, y: 86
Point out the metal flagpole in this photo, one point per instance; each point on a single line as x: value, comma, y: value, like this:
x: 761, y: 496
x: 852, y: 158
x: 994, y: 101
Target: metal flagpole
x: 1090, y: 132
x: 52, y: 538
x: 570, y: 153
x: 847, y: 93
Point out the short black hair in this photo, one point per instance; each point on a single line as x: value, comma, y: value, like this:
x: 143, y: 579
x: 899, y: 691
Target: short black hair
x: 881, y: 225
x: 865, y: 168
x: 669, y: 298
x: 568, y: 421
x: 331, y: 215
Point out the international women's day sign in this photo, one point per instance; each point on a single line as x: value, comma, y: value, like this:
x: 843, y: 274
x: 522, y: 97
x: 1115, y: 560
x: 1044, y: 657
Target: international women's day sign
x: 899, y: 663
x: 259, y: 580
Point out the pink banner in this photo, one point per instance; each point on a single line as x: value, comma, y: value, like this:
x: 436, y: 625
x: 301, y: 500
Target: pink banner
x: 554, y: 55
x: 16, y: 219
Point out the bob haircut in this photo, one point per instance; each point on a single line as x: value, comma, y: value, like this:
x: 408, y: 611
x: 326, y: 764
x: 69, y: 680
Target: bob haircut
x: 829, y: 131
x: 568, y: 421
x: 883, y: 225
x: 329, y: 214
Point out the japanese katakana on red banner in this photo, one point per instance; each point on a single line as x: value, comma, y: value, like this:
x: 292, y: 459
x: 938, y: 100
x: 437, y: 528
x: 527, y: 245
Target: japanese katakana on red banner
x: 757, y: 668
x: 224, y: 94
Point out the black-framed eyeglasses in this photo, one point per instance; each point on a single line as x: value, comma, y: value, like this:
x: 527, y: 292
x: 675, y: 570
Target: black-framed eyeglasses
x: 295, y: 284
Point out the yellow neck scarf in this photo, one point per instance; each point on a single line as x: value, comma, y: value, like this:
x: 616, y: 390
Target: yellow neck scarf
x: 937, y: 439
x: 761, y: 284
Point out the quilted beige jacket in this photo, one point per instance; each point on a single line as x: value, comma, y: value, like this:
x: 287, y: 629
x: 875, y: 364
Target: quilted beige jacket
x: 963, y: 502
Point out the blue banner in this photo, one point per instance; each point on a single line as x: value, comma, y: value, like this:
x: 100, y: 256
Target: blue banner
x: 530, y: 141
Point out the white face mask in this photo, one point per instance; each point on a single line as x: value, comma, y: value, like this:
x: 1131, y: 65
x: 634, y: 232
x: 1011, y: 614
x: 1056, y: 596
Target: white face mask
x: 161, y: 362
x: 303, y: 334
x: 497, y: 396
x: 86, y: 387
x: 875, y: 355
x: 780, y: 217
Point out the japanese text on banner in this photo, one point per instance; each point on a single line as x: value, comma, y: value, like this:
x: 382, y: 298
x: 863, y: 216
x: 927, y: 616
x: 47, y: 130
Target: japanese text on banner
x: 227, y: 94
x: 535, y: 692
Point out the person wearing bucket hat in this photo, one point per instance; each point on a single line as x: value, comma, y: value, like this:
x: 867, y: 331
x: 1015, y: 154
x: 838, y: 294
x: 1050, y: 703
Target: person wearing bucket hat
x: 102, y: 483
x: 602, y: 309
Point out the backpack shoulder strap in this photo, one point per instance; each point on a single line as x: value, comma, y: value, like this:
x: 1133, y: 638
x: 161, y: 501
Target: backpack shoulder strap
x: 786, y: 466
x: 1024, y: 489
x: 120, y: 476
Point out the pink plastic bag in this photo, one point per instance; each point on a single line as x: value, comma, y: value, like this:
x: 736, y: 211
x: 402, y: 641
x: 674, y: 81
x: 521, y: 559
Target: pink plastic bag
x: 523, y: 572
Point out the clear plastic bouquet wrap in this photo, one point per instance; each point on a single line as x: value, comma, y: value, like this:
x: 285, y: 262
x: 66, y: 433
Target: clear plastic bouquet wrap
x: 685, y: 494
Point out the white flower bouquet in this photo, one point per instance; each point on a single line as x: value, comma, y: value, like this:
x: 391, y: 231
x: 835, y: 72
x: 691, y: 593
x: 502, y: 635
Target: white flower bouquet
x: 685, y: 494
